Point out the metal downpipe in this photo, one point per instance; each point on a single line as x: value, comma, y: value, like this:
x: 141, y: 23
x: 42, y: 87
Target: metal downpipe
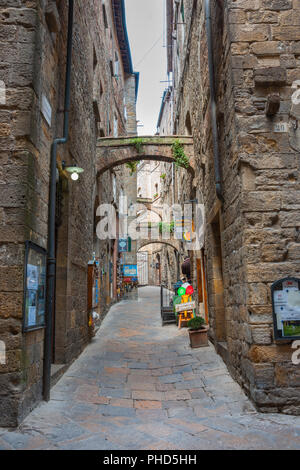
x: 51, y: 265
x: 216, y: 151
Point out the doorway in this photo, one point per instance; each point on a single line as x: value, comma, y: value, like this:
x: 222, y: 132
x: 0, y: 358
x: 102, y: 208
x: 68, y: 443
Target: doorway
x: 217, y: 282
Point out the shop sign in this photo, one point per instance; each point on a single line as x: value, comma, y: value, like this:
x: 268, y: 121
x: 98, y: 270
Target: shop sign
x: 130, y: 270
x: 128, y: 258
x: 286, y: 308
x: 129, y: 279
x: 184, y: 229
x: 123, y: 245
x: 34, y: 305
x: 186, y: 306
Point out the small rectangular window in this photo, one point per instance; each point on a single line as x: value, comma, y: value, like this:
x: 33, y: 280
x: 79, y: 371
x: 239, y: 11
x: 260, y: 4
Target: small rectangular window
x: 104, y: 16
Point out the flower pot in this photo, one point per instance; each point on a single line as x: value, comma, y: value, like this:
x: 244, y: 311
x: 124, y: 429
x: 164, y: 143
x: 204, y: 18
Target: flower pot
x: 199, y: 338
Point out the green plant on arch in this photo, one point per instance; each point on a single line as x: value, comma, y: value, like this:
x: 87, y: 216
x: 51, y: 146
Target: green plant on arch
x: 137, y: 142
x: 181, y: 160
x: 132, y: 166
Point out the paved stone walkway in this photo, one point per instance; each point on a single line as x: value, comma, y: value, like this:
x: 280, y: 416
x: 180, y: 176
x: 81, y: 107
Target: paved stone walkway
x: 140, y: 386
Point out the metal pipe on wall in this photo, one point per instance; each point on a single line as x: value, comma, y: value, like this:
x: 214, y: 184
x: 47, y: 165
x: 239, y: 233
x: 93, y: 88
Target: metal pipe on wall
x: 51, y: 267
x: 211, y: 68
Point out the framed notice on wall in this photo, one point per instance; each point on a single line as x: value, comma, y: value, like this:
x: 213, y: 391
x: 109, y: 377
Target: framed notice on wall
x: 286, y: 308
x: 34, y: 305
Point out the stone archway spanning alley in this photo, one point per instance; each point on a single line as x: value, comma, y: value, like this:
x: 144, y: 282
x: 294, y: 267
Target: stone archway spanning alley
x: 149, y: 209
x: 112, y: 152
x: 172, y: 243
x: 116, y: 151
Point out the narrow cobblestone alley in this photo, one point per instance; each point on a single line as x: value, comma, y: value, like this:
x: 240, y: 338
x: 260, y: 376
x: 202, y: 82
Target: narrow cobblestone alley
x: 140, y: 386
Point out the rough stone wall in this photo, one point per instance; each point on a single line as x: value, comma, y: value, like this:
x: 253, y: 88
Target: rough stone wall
x: 32, y: 64
x: 19, y: 166
x: 253, y: 240
x: 265, y: 46
x: 130, y: 102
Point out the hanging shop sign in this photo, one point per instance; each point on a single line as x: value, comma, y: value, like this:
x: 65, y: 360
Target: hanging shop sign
x: 128, y: 258
x: 286, y: 308
x: 130, y: 270
x: 34, y: 305
x: 123, y: 245
x: 183, y: 229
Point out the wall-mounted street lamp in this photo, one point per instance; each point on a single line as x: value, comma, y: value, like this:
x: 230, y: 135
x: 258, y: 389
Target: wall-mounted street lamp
x: 74, y: 170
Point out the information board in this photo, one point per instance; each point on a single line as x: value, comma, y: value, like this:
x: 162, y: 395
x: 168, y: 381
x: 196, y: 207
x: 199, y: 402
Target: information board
x: 130, y: 270
x: 34, y: 305
x: 286, y: 308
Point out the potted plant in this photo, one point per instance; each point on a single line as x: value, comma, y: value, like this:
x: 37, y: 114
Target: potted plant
x: 198, y: 332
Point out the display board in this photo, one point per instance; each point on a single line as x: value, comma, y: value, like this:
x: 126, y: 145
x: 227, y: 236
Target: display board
x: 286, y: 308
x: 34, y: 305
x: 185, y: 306
x: 130, y: 270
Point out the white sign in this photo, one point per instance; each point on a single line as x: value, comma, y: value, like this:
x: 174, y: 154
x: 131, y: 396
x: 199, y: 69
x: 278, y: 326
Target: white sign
x: 46, y: 110
x: 287, y: 304
x: 31, y: 316
x: 186, y: 306
x: 280, y: 127
x: 32, y: 277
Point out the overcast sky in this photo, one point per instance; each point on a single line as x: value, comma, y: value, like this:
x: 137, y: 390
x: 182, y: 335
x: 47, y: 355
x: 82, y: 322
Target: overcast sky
x: 145, y: 24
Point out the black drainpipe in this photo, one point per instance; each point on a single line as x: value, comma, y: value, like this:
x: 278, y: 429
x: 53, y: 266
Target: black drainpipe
x: 213, y: 103
x: 51, y: 268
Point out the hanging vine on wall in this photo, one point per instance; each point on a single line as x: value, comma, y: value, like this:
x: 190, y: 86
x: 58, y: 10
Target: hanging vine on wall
x: 137, y: 142
x: 163, y: 227
x: 132, y: 167
x: 181, y: 160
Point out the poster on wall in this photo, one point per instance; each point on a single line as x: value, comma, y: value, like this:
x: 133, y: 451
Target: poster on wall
x: 286, y: 308
x: 32, y: 277
x: 130, y: 270
x: 34, y: 305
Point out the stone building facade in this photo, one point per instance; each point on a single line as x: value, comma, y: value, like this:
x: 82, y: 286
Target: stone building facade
x: 33, y: 38
x: 252, y: 217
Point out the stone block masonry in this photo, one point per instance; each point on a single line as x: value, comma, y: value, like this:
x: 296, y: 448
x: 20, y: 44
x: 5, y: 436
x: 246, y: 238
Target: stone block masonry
x: 253, y: 239
x: 32, y: 67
